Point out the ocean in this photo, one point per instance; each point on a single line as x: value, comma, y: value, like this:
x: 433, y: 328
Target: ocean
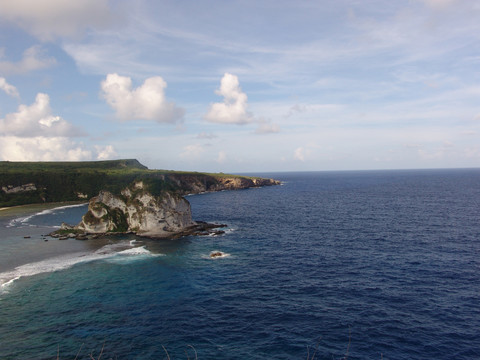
x: 329, y: 265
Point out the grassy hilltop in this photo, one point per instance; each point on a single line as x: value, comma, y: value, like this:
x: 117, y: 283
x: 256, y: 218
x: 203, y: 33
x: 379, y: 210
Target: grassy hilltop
x: 40, y: 182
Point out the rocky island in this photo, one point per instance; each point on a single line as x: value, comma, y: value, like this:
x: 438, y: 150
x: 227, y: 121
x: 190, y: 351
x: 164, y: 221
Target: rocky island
x: 137, y: 211
x: 129, y: 197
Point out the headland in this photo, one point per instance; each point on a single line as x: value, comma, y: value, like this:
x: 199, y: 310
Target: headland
x: 124, y: 196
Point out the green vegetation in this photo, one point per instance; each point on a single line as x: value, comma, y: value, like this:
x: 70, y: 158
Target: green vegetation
x: 64, y: 181
x: 117, y: 217
x: 75, y: 181
x: 68, y: 231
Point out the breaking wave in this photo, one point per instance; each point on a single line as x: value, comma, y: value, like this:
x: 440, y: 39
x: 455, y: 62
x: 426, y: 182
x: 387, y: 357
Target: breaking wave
x: 24, y: 221
x: 216, y: 254
x: 119, y: 253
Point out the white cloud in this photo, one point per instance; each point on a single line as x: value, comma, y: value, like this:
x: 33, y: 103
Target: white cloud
x: 40, y: 148
x: 233, y: 110
x: 33, y: 58
x: 267, y: 128
x: 222, y: 157
x: 299, y: 154
x: 33, y: 133
x: 105, y: 152
x: 37, y: 120
x: 192, y: 151
x: 297, y: 108
x: 7, y: 88
x: 49, y: 19
x: 146, y: 102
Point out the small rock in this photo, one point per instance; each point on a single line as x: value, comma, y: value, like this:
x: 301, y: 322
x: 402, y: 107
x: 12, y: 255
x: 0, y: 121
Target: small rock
x: 215, y: 254
x: 66, y: 226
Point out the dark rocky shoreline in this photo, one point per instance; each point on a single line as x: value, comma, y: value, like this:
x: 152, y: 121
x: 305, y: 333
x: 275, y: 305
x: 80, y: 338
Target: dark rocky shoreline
x: 201, y: 228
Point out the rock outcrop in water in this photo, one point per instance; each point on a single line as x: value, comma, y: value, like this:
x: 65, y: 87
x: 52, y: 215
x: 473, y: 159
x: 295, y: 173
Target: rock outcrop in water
x: 125, y: 196
x: 166, y: 214
x: 137, y: 210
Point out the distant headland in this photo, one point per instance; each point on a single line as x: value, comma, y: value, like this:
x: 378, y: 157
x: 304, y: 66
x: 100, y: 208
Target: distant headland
x: 124, y: 195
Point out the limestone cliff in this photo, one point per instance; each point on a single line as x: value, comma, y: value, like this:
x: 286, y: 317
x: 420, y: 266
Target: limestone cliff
x: 197, y: 183
x: 137, y: 210
x: 10, y: 189
x: 153, y: 204
x: 43, y: 182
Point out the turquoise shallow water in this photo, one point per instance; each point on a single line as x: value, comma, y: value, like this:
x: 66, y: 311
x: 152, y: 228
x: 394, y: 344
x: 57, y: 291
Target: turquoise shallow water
x: 390, y: 258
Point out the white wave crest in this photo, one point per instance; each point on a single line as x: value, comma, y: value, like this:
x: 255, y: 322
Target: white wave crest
x: 107, y: 252
x: 230, y: 230
x: 49, y: 265
x: 216, y: 254
x: 130, y: 255
x: 23, y: 220
x: 136, y: 251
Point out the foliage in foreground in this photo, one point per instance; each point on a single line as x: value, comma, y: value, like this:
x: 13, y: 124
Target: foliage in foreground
x: 310, y: 356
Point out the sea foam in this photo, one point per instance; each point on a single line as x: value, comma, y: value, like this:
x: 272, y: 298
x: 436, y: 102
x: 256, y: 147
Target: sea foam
x: 216, y: 254
x: 111, y: 252
x: 23, y: 221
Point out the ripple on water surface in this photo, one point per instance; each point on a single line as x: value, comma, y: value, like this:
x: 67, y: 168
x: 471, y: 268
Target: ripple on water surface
x: 384, y: 261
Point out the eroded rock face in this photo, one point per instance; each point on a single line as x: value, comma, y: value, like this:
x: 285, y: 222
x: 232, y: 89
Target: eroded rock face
x: 138, y: 211
x: 189, y: 184
x: 10, y: 189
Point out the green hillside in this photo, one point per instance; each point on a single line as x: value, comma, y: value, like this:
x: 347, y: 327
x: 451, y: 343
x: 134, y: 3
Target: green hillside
x: 62, y: 181
x: 107, y: 165
x: 40, y: 182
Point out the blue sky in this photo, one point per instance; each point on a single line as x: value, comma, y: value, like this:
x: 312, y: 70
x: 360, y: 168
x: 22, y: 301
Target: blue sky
x: 242, y: 86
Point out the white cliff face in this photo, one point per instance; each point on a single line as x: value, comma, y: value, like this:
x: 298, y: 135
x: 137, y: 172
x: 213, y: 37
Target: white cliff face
x: 148, y: 214
x: 10, y: 189
x: 92, y: 220
x: 138, y: 211
x: 111, y: 201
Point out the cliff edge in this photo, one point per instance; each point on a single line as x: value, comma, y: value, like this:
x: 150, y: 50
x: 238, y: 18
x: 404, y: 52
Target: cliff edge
x: 154, y: 207
x: 43, y: 182
x: 124, y: 195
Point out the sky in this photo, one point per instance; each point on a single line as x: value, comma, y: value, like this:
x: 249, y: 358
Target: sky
x: 242, y: 86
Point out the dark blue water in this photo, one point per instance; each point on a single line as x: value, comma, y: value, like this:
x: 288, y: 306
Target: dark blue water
x: 376, y: 264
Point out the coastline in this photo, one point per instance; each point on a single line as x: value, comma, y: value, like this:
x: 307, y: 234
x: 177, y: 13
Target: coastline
x: 27, y: 248
x: 38, y: 206
x: 23, y: 232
